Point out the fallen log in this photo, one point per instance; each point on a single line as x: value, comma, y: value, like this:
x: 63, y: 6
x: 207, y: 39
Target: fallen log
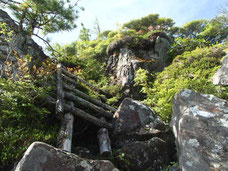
x: 88, y: 117
x: 86, y: 83
x: 88, y: 98
x: 60, y: 94
x: 87, y: 104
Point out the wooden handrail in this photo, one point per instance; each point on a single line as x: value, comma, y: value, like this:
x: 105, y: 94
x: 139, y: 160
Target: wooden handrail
x: 89, y: 105
x: 86, y: 83
x: 88, y: 98
x: 78, y: 112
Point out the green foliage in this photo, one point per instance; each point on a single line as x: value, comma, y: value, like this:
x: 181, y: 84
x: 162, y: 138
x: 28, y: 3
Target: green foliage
x: 182, y: 45
x: 23, y: 116
x: 104, y: 35
x: 193, y: 28
x: 216, y: 30
x: 152, y: 21
x: 23, y: 120
x: 192, y: 70
x: 48, y: 15
x: 84, y: 34
x: 5, y: 32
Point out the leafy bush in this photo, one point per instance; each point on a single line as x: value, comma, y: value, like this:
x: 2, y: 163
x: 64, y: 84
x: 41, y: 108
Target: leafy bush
x: 23, y: 116
x: 22, y: 119
x: 193, y: 70
x: 182, y: 45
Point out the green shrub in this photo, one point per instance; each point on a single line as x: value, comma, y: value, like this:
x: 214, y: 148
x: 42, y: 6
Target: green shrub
x: 23, y: 120
x: 193, y: 70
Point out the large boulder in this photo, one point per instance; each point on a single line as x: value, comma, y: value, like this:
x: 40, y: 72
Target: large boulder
x: 132, y: 114
x: 200, y: 126
x: 43, y: 157
x: 126, y: 56
x: 145, y: 155
x: 221, y: 76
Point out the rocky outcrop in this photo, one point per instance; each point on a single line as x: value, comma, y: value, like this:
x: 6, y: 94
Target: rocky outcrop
x: 126, y: 56
x: 132, y: 114
x: 200, y: 126
x: 221, y: 76
x: 142, y: 139
x: 43, y: 157
x: 19, y: 46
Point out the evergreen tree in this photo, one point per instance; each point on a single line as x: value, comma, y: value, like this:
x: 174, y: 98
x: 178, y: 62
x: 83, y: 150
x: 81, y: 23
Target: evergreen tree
x: 47, y: 15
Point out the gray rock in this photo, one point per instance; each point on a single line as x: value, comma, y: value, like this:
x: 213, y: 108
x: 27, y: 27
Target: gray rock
x: 22, y: 44
x: 43, y: 157
x: 162, y: 46
x: 136, y: 156
x: 221, y: 76
x: 200, y: 126
x: 128, y: 55
x: 132, y: 114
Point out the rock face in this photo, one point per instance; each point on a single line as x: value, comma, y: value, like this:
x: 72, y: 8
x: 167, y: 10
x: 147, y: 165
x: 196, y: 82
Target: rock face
x: 19, y: 46
x: 150, y: 154
x: 221, y: 76
x: 200, y: 126
x: 43, y: 157
x: 125, y: 59
x: 132, y: 114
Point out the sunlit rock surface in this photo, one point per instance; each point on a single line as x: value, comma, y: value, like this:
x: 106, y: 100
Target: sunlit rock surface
x: 221, y: 76
x: 200, y: 126
x: 127, y: 55
x: 43, y: 157
x: 132, y: 114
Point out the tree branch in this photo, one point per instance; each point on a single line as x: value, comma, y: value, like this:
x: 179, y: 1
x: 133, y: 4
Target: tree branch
x: 45, y: 41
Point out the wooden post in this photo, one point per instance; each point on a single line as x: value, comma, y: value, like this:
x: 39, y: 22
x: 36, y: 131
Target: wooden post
x: 60, y: 94
x: 104, y: 142
x: 66, y: 131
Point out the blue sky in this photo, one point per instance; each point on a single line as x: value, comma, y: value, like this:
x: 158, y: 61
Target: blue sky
x: 111, y: 13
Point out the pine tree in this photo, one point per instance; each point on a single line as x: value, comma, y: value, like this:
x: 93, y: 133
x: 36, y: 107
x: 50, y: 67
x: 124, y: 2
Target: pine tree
x: 47, y: 15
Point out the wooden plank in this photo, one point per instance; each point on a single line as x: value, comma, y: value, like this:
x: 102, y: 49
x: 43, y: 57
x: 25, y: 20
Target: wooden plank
x: 60, y: 94
x: 88, y: 117
x: 88, y: 98
x: 86, y: 83
x: 87, y: 104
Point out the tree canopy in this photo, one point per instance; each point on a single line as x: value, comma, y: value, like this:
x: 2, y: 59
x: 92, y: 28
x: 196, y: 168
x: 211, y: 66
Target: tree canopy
x: 47, y: 15
x: 152, y: 21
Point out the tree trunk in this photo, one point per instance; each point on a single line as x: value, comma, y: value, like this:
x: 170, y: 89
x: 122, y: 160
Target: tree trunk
x: 87, y: 104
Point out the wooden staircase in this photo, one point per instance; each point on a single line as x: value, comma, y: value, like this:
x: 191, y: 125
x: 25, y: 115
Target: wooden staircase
x: 72, y: 102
